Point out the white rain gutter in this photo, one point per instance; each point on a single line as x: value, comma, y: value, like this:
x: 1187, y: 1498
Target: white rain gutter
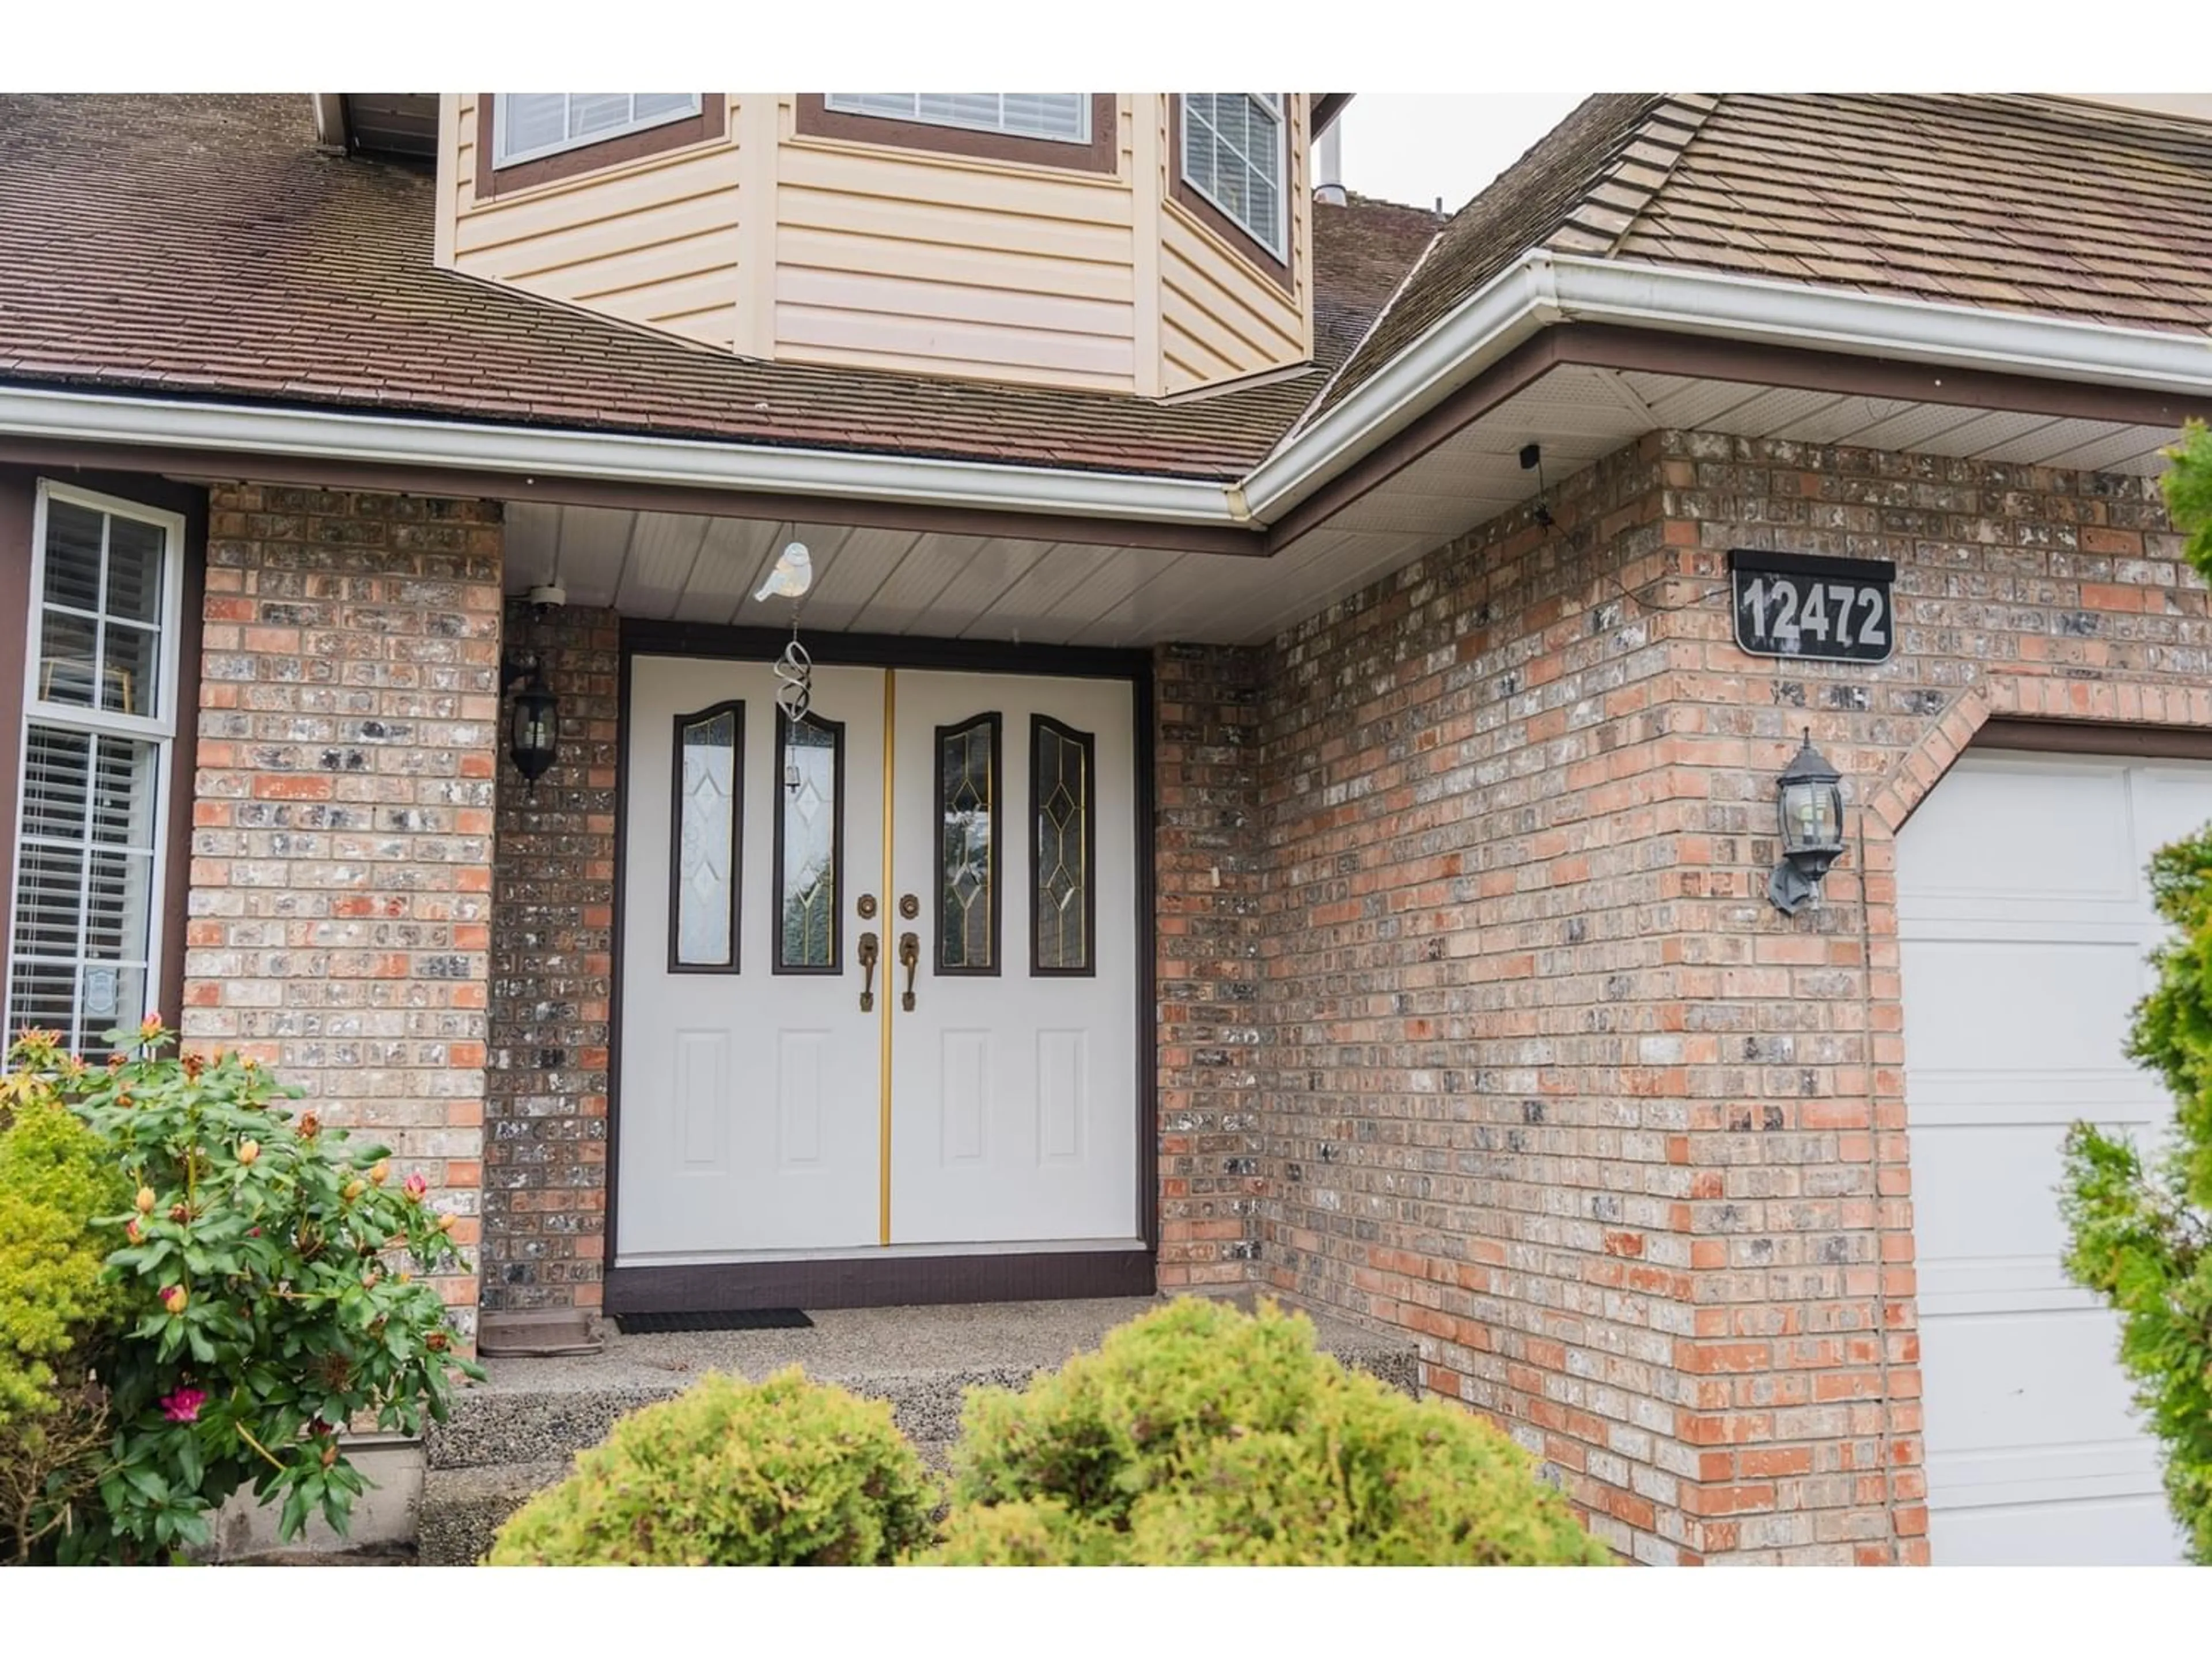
x: 1537, y: 290
x: 543, y: 452
x: 1542, y: 288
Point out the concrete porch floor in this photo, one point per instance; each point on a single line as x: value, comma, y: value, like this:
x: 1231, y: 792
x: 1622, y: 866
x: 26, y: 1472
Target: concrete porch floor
x: 863, y: 1345
x: 517, y: 1432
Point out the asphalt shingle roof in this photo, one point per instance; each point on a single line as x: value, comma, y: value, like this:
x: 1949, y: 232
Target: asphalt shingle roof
x: 2015, y: 202
x: 201, y: 246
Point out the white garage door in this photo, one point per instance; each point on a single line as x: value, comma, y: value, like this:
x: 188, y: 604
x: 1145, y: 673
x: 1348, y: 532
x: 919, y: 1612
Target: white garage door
x: 2025, y: 920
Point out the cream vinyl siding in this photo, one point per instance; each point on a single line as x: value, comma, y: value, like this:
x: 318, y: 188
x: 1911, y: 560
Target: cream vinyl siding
x: 1221, y: 315
x: 944, y: 264
x: 810, y: 249
x: 651, y: 241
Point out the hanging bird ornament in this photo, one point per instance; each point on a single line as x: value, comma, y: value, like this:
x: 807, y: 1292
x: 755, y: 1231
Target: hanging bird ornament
x: 793, y: 575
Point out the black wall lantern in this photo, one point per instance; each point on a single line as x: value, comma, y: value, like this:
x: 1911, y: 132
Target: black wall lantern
x: 534, y: 727
x: 1812, y: 802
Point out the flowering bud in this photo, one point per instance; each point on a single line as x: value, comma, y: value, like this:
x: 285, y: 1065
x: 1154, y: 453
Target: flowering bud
x: 352, y: 1190
x: 417, y: 1185
x: 130, y: 1230
x: 149, y: 1027
x: 369, y: 1278
x: 436, y: 1341
x: 248, y: 1151
x: 379, y: 1172
x: 446, y: 1221
x: 310, y: 1127
x: 145, y: 1201
x: 174, y: 1298
x: 330, y: 1453
x: 180, y: 1212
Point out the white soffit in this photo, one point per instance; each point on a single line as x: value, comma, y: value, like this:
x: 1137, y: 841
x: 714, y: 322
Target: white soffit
x: 678, y: 566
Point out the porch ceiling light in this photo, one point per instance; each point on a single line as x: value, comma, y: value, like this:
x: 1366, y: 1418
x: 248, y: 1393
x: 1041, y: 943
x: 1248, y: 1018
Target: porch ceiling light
x: 533, y: 734
x: 1812, y: 808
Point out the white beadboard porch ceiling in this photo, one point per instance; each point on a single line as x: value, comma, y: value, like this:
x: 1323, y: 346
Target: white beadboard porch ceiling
x: 679, y: 567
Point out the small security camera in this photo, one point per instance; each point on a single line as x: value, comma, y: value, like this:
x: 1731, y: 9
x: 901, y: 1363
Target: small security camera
x: 547, y: 598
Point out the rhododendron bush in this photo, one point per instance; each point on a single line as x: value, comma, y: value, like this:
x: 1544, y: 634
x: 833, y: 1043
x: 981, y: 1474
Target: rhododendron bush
x: 268, y: 1289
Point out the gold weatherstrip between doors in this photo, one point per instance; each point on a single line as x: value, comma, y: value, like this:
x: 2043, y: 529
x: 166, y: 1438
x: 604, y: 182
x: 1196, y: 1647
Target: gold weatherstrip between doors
x: 883, y: 1064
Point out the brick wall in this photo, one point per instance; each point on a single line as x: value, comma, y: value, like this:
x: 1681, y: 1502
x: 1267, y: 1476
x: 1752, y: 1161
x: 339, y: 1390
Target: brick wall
x: 1207, y: 875
x: 341, y: 872
x: 552, y: 982
x: 1474, y: 1121
x: 1547, y: 1082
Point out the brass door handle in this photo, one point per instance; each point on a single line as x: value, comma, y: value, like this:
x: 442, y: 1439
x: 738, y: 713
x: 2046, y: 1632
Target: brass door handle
x: 909, y: 959
x: 868, y: 953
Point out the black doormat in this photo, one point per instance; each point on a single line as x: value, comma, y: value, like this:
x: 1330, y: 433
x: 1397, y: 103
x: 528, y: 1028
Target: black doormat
x: 750, y: 1318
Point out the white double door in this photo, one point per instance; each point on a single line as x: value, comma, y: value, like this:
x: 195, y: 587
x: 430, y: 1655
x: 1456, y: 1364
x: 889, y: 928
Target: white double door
x: 879, y: 969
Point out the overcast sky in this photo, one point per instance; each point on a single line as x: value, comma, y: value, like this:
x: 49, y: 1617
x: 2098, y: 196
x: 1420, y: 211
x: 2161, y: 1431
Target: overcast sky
x: 1415, y: 147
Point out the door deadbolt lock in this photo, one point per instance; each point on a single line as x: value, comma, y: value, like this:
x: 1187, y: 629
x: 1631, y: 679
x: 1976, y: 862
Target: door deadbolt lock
x: 867, y: 907
x: 868, y: 954
x: 909, y: 906
x: 909, y: 959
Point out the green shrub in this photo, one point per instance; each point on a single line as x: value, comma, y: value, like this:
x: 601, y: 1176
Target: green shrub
x: 2139, y: 1228
x: 57, y: 1310
x: 785, y: 1473
x: 1199, y: 1434
x: 263, y: 1274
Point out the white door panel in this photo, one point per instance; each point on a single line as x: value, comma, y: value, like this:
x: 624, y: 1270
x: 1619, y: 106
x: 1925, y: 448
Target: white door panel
x: 749, y: 1098
x: 1013, y: 1090
x: 2024, y: 923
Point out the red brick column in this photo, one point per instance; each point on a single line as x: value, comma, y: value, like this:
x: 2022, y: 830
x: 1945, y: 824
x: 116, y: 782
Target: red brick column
x: 341, y: 876
x: 552, y: 966
x: 1205, y: 764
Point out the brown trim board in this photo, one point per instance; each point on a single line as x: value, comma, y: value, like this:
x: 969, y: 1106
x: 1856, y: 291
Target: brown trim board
x: 1603, y: 345
x: 888, y: 1281
x: 2062, y: 737
x: 468, y: 483
x: 814, y: 118
x: 493, y: 181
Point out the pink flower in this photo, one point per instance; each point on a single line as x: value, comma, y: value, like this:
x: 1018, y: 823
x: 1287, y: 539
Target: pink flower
x: 417, y: 1185
x: 184, y: 1405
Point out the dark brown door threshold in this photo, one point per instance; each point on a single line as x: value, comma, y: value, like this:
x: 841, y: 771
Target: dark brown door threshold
x: 896, y: 1281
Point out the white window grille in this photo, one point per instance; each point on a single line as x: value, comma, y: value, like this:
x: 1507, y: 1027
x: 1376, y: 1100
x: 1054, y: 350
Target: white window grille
x: 99, y: 720
x: 529, y: 124
x: 1236, y: 152
x: 1063, y: 117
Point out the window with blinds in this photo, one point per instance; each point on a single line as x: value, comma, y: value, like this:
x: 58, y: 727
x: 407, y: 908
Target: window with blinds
x: 1234, y: 155
x: 98, y: 724
x: 1065, y: 116
x: 533, y: 124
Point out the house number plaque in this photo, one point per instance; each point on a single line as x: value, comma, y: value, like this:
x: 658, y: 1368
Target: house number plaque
x: 1798, y: 604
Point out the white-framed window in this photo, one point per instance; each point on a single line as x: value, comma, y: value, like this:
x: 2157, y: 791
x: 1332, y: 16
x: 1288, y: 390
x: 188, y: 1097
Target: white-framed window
x: 529, y: 124
x: 1063, y: 117
x: 1236, y: 152
x: 98, y: 721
